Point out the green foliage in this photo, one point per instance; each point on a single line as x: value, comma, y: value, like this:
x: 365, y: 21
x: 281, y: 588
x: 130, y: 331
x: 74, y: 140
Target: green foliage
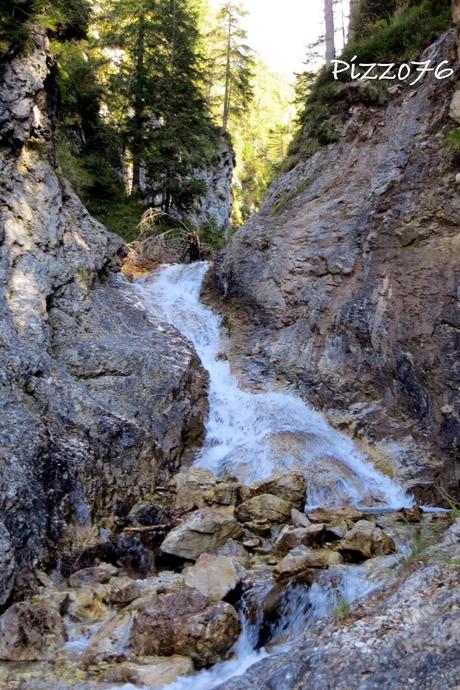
x: 121, y: 214
x: 155, y: 91
x: 342, y: 609
x: 452, y: 140
x: 423, y: 539
x: 65, y: 20
x: 232, y: 63
x: 260, y: 137
x: 211, y: 236
x: 401, y: 37
x: 396, y: 31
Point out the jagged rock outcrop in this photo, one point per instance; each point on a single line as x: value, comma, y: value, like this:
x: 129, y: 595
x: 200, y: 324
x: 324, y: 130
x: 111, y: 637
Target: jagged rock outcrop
x: 345, y: 285
x: 215, y: 206
x: 98, y: 400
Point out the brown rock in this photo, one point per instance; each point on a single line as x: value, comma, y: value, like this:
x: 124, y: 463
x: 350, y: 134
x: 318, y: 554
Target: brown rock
x: 30, y: 632
x: 328, y: 515
x: 266, y: 507
x: 335, y: 530
x: 89, y: 603
x: 159, y: 672
x: 299, y: 519
x: 185, y: 623
x: 201, y: 532
x: 124, y: 590
x: 223, y: 493
x: 366, y: 540
x: 290, y: 486
x: 235, y: 550
x: 213, y: 576
x: 290, y: 537
x: 328, y: 557
x: 98, y: 574
x: 299, y: 559
x: 190, y: 485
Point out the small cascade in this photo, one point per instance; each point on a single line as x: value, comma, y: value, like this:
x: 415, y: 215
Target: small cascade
x: 254, y: 435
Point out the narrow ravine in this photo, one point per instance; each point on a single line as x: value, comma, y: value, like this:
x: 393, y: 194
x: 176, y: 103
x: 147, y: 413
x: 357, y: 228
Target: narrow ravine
x: 252, y: 436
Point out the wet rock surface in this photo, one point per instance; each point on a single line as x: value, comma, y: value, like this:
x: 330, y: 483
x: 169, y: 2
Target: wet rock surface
x: 349, y: 294
x: 98, y: 401
x: 405, y: 635
x: 201, y: 532
x: 153, y: 630
x: 184, y: 623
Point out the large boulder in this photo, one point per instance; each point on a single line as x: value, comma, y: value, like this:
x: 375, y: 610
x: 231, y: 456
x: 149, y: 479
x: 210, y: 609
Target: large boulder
x: 366, y: 540
x: 190, y: 484
x: 213, y: 576
x: 201, y: 532
x: 266, y: 507
x: 291, y: 486
x: 290, y: 537
x: 7, y: 565
x: 99, y: 574
x: 184, y: 623
x: 297, y: 561
x: 29, y: 632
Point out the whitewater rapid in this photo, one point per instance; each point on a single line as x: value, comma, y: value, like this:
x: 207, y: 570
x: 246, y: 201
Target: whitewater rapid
x: 253, y: 435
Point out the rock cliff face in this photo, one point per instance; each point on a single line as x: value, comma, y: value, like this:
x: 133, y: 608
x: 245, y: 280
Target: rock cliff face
x: 346, y: 284
x: 216, y: 205
x: 98, y: 400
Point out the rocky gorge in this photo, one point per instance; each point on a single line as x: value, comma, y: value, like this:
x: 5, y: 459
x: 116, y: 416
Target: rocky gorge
x: 174, y: 512
x: 345, y: 284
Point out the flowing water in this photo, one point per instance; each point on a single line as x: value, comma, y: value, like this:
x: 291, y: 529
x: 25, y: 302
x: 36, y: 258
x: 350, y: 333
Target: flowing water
x: 253, y: 435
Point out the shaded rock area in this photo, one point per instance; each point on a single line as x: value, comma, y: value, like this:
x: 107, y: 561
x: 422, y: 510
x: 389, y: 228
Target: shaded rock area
x: 345, y: 285
x: 98, y: 401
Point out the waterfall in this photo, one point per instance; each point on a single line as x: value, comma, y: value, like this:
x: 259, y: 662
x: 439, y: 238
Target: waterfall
x: 254, y: 435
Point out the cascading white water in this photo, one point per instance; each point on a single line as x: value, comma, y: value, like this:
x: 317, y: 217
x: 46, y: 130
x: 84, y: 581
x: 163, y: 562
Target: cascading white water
x: 254, y: 435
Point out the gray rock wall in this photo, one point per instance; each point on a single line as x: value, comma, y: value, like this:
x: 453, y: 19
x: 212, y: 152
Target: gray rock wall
x: 350, y: 293
x: 98, y: 401
x: 216, y: 205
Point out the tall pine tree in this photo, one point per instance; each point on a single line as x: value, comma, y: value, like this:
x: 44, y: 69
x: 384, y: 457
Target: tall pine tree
x: 233, y: 62
x: 156, y: 90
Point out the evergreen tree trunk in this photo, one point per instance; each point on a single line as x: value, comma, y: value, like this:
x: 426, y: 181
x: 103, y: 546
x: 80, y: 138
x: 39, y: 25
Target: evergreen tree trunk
x: 138, y: 121
x: 330, y: 30
x: 227, y: 76
x: 354, y: 12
